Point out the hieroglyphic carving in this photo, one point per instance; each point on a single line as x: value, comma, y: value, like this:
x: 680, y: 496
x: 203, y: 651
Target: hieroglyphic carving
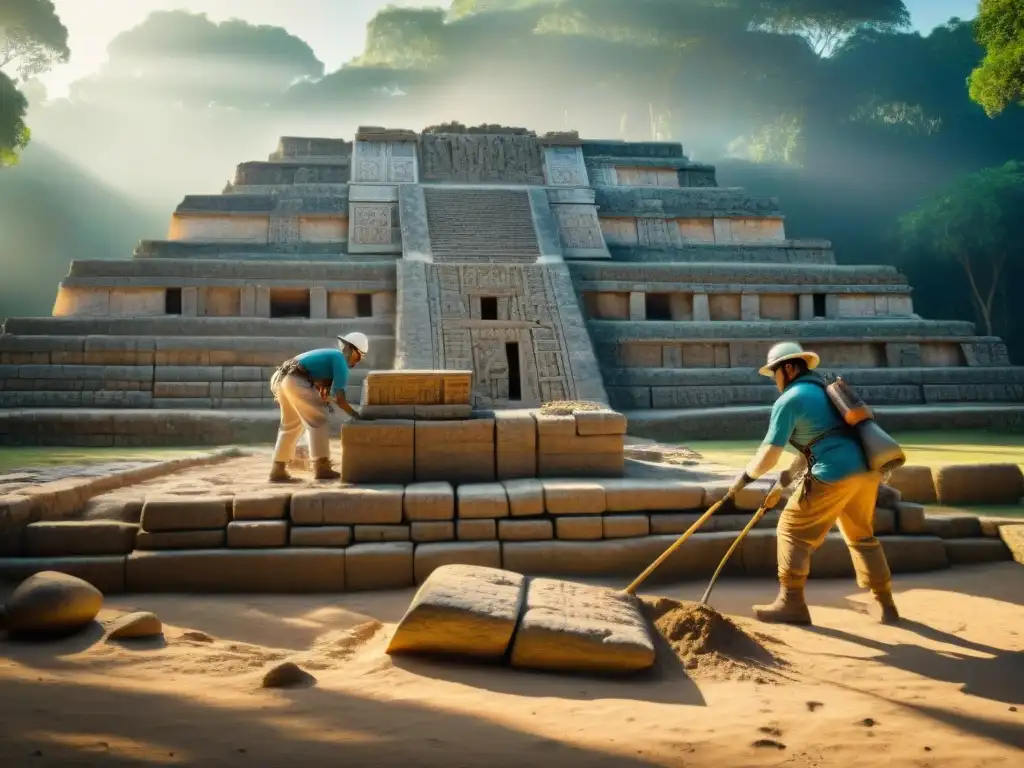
x: 369, y: 160
x: 402, y: 163
x: 653, y: 232
x: 372, y: 223
x: 283, y: 229
x: 578, y: 227
x: 448, y: 387
x: 482, y: 158
x: 565, y: 167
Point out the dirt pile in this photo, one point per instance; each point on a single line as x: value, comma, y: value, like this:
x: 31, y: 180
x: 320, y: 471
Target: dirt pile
x: 710, y: 645
x: 569, y: 407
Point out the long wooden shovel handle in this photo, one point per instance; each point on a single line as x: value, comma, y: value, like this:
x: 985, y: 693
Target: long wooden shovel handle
x: 632, y: 588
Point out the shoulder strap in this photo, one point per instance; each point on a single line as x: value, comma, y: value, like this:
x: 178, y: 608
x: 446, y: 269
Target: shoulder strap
x: 841, y: 429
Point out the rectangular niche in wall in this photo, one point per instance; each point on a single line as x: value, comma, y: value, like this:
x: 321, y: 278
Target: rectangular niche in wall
x: 488, y: 307
x: 819, y: 305
x: 364, y: 305
x: 172, y: 301
x: 658, y: 306
x: 289, y: 303
x: 515, y: 381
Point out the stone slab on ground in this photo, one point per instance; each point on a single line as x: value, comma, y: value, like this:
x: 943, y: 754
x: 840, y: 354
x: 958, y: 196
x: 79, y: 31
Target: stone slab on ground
x: 1013, y: 537
x: 979, y: 484
x: 76, y: 538
x: 379, y: 566
x: 287, y: 570
x: 580, y: 628
x: 260, y: 506
x: 429, y: 557
x: 185, y: 513
x: 164, y: 540
x: 107, y: 574
x: 320, y: 536
x: 257, y: 534
x: 461, y: 610
x: 977, y: 550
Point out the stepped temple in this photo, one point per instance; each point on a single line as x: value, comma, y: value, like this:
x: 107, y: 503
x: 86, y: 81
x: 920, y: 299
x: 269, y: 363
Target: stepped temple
x: 552, y: 267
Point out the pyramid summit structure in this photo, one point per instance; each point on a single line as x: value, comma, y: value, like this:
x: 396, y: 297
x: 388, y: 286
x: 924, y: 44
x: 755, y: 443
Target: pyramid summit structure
x: 553, y: 267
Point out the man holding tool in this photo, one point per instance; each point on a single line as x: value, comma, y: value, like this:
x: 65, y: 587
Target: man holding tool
x: 304, y: 388
x: 837, y: 485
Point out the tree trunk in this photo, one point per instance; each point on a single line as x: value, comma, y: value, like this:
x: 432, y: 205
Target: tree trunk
x: 984, y: 307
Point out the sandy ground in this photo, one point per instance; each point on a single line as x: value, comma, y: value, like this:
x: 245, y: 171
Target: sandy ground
x: 944, y: 689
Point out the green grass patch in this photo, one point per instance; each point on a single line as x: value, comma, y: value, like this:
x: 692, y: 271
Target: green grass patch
x: 12, y: 459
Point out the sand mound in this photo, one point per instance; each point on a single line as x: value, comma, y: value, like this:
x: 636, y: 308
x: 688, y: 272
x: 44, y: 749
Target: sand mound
x: 709, y: 644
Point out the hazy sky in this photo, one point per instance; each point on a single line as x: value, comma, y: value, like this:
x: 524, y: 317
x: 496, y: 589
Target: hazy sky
x: 335, y: 29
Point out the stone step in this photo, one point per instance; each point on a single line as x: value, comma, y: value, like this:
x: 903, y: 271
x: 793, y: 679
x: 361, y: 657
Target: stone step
x: 488, y: 222
x: 803, y: 252
x: 174, y: 325
x: 371, y: 270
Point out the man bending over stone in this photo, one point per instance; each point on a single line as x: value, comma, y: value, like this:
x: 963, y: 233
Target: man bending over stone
x: 837, y: 485
x: 304, y: 388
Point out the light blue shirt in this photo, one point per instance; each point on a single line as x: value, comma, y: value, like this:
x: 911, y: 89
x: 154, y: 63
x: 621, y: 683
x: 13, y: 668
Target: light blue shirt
x: 324, y: 364
x: 803, y: 412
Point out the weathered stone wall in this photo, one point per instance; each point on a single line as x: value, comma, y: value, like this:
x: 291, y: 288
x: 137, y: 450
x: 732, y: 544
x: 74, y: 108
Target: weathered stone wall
x: 289, y: 147
x: 786, y: 252
x: 481, y: 159
x: 291, y: 172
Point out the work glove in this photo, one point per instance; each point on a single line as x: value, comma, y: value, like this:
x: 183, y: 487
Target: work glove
x: 786, y: 478
x: 739, y: 484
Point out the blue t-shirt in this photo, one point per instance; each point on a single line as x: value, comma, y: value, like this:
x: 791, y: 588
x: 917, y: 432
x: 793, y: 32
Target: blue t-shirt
x: 324, y: 364
x: 803, y: 412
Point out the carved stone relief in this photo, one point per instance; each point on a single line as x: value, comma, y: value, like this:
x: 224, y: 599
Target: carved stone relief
x: 368, y: 161
x: 284, y: 229
x: 482, y: 158
x: 579, y: 227
x: 565, y: 167
x: 374, y: 228
x: 653, y: 232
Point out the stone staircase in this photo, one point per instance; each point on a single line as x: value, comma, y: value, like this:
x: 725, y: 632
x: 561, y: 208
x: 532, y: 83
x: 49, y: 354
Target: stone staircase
x: 481, y: 225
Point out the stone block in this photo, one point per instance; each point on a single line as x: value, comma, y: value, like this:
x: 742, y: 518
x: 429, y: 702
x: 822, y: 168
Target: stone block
x: 432, y: 531
x: 979, y: 484
x: 260, y: 506
x: 78, y: 538
x: 750, y: 498
x: 321, y: 536
x: 363, y: 505
x: 1013, y: 537
x: 574, y: 497
x: 832, y: 559
x: 430, y: 557
x: 429, y: 501
x: 675, y: 523
x: 885, y: 521
x: 476, y: 530
x: 256, y: 534
x: 378, y: 452
x: 185, y: 513
x: 587, y: 465
x: 580, y: 446
x: 625, y: 526
x: 915, y: 484
x: 456, y: 451
x: 912, y: 554
x: 461, y: 610
x: 525, y: 530
x: 910, y: 518
x: 157, y: 540
x: 554, y: 425
x: 581, y: 628
x: 483, y: 500
x: 579, y: 528
x: 515, y: 437
x: 379, y: 566
x: 952, y: 526
x: 288, y: 570
x: 103, y: 508
x: 381, y: 533
x: 525, y: 497
x: 627, y: 495
x: 106, y: 573
x: 977, y: 550
x: 406, y: 387
x: 600, y: 423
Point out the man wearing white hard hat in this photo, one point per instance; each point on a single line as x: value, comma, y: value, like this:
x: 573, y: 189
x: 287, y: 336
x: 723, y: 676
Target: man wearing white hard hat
x: 304, y: 387
x: 837, y: 486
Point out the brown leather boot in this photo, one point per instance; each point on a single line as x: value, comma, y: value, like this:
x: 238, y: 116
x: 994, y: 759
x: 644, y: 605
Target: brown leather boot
x: 323, y: 470
x: 789, y: 608
x: 889, y: 615
x: 279, y: 473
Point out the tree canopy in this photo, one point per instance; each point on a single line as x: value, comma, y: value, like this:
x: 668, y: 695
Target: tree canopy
x: 999, y: 80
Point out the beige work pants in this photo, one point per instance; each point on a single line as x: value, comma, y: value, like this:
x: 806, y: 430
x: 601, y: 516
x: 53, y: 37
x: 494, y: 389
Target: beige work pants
x: 301, y: 408
x: 811, y: 513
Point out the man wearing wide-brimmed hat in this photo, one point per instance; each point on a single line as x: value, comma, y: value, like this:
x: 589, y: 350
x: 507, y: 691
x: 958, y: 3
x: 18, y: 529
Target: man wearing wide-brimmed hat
x: 304, y: 387
x: 837, y: 485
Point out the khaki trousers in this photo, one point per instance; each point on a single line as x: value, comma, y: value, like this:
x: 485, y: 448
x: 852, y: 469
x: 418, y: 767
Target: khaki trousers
x: 301, y: 408
x: 811, y: 513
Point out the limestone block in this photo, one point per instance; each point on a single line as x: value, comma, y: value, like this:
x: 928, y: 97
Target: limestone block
x: 675, y: 523
x: 185, y: 513
x: 888, y: 496
x: 751, y: 497
x: 476, y: 530
x: 51, y: 603
x: 586, y: 465
x: 432, y: 531
x: 456, y: 451
x: 321, y: 536
x: 625, y: 526
x: 979, y: 484
x: 580, y: 628
x: 362, y: 505
x: 525, y: 497
x: 574, y: 497
x: 78, y: 538
x: 407, y: 387
x: 515, y: 444
x: 915, y: 484
x: 124, y: 510
x: 429, y: 501
x: 461, y: 609
x: 106, y: 573
x: 586, y: 528
x: 288, y: 570
x: 377, y: 452
x: 380, y: 533
x: 1013, y: 537
x: 431, y: 556
x: 600, y: 423
x: 514, y: 464
x: 255, y: 534
x: 910, y: 518
x: 157, y: 540
x: 885, y: 521
x: 260, y: 506
x: 627, y: 495
x: 832, y: 559
x: 482, y: 500
x: 952, y: 526
x: 911, y: 554
x: 554, y: 425
x: 575, y: 445
x: 977, y: 550
x: 379, y: 566
x: 525, y: 530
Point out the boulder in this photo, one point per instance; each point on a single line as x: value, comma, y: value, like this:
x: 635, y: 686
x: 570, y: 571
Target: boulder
x: 134, y: 626
x: 51, y: 603
x: 579, y: 628
x: 979, y: 484
x: 287, y: 674
x: 1013, y: 537
x: 461, y: 610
